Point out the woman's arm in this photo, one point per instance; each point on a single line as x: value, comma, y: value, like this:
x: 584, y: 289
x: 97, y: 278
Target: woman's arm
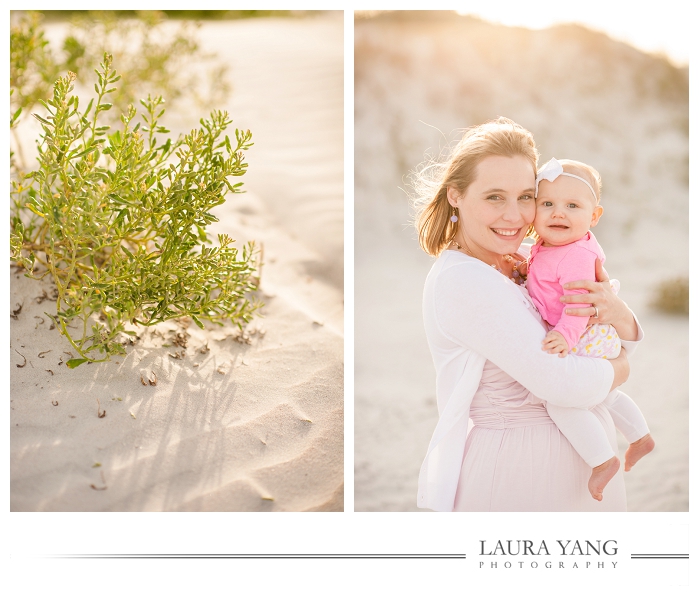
x: 610, y: 307
x: 480, y: 309
x: 621, y: 368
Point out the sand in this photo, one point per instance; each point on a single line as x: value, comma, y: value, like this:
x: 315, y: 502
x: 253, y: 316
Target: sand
x: 244, y: 422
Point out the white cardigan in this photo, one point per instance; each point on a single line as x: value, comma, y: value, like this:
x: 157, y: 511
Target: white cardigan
x: 472, y: 313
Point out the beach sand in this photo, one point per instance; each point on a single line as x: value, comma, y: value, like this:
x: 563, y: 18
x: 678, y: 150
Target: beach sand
x: 247, y: 421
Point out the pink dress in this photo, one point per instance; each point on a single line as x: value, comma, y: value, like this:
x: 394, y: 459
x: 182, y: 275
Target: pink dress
x: 517, y: 460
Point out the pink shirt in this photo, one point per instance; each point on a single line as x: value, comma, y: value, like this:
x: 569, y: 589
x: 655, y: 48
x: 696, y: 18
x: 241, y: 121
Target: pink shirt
x: 549, y: 269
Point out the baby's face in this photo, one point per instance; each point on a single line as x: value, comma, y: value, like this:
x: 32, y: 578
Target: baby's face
x: 565, y: 211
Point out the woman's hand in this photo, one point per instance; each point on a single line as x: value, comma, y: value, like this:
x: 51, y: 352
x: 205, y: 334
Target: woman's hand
x: 606, y: 307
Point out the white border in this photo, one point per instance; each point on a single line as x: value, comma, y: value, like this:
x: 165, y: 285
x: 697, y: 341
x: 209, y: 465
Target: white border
x: 349, y: 261
x: 28, y: 535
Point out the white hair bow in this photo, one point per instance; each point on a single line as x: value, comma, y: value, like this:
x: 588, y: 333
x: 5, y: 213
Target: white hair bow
x: 551, y: 170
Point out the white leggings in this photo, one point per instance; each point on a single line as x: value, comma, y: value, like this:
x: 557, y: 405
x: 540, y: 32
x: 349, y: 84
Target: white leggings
x: 586, y: 434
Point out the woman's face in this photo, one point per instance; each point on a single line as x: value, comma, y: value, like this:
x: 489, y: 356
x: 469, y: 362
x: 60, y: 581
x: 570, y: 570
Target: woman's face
x: 498, y: 206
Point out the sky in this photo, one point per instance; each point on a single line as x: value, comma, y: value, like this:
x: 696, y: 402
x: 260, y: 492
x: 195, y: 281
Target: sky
x: 662, y: 27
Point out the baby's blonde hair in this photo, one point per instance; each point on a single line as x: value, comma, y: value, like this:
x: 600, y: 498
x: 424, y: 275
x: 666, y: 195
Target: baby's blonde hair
x: 500, y: 137
x: 584, y: 171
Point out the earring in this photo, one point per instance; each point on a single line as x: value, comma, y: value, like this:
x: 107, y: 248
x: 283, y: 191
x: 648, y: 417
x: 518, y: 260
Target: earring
x: 454, y: 218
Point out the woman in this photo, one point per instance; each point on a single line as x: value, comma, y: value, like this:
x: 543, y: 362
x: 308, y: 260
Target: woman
x: 485, y: 337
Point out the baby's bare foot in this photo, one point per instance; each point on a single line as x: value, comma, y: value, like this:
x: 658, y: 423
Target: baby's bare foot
x: 638, y: 450
x: 601, y: 475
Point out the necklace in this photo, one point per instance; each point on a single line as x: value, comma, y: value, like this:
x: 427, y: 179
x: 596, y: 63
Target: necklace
x: 516, y: 276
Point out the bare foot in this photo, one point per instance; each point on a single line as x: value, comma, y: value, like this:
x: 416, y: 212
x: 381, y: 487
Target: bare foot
x: 638, y: 450
x: 601, y: 475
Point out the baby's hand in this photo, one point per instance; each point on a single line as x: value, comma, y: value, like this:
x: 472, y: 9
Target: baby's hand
x: 521, y: 264
x: 555, y: 343
x: 524, y: 267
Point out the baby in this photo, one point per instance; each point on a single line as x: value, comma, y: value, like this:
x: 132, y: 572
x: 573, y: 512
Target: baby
x: 567, y: 206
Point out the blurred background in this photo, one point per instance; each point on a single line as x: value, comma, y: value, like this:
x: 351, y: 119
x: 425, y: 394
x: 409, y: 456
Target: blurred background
x: 604, y: 91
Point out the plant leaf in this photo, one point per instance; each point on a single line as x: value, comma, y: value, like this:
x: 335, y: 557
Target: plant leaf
x: 73, y: 363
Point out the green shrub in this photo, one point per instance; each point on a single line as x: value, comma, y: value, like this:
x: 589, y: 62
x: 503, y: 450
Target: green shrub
x: 118, y: 219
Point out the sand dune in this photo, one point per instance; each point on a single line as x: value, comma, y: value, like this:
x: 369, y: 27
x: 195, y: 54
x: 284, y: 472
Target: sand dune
x: 245, y: 421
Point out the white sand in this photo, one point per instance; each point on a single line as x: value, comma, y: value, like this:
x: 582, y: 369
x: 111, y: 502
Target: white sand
x: 252, y: 426
x: 414, y: 72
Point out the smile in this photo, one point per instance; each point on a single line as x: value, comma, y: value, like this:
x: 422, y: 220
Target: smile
x: 506, y: 232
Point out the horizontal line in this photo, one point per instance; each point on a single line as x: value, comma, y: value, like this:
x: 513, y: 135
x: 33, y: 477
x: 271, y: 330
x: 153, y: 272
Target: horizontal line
x: 264, y: 556
x: 660, y: 554
x: 659, y: 557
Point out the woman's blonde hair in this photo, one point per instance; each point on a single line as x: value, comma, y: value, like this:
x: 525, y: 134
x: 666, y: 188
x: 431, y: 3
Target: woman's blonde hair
x: 500, y: 137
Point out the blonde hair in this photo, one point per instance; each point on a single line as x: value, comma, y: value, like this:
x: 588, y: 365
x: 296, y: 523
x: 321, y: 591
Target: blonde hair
x: 584, y: 171
x: 432, y: 211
